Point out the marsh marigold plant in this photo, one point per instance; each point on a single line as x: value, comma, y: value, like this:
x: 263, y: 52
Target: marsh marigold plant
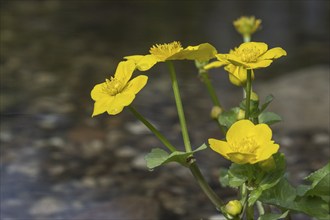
x: 258, y: 168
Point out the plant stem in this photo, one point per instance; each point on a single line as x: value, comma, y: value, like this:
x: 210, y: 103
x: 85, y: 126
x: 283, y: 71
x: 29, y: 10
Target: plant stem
x: 248, y: 94
x: 260, y: 207
x: 246, y: 38
x: 179, y: 107
x: 210, y: 88
x: 152, y: 129
x: 218, y: 203
x: 250, y: 213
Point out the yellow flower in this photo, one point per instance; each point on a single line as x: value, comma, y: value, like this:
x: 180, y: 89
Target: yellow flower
x: 118, y: 91
x: 172, y: 51
x: 246, y: 143
x: 250, y: 55
x: 247, y: 25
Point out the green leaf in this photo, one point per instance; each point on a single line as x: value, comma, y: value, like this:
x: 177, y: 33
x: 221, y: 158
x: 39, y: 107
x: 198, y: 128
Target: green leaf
x: 254, y: 106
x: 228, y: 118
x: 158, y: 157
x: 269, y: 118
x: 320, y: 183
x: 285, y: 196
x: 268, y: 100
x: 223, y: 177
x: 267, y: 180
x: 271, y: 216
x: 239, y: 174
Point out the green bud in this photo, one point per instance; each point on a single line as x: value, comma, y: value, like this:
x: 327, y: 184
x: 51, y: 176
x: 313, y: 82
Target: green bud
x: 268, y: 165
x: 216, y: 111
x: 240, y: 114
x: 233, y: 207
x: 254, y: 96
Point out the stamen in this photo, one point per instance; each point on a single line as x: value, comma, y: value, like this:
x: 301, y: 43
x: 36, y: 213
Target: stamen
x: 163, y: 51
x: 113, y: 86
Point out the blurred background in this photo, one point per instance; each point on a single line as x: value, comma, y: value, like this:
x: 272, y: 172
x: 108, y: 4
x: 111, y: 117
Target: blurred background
x: 59, y: 163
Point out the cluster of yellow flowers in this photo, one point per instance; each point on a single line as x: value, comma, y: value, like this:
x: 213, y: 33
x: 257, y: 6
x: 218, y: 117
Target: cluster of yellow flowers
x: 119, y: 91
x: 246, y: 142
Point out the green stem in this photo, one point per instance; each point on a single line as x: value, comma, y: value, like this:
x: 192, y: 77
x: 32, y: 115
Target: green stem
x: 152, y: 129
x: 250, y: 213
x: 218, y: 203
x: 179, y: 107
x: 260, y: 207
x: 248, y: 94
x: 246, y: 38
x: 210, y: 88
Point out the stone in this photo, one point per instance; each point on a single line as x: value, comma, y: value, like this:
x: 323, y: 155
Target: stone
x: 124, y: 208
x: 47, y: 206
x: 301, y: 98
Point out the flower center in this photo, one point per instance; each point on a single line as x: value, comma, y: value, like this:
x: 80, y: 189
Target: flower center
x: 248, y: 55
x: 163, y: 51
x: 113, y: 86
x: 246, y: 145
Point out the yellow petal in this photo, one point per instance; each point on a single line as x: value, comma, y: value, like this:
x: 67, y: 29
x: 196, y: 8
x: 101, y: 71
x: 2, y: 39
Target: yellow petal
x: 267, y: 151
x: 220, y: 147
x: 120, y: 101
x: 135, y: 58
x: 202, y: 52
x: 234, y: 74
x: 262, y: 47
x: 235, y: 60
x: 98, y: 92
x: 101, y: 105
x: 263, y: 133
x: 273, y: 53
x: 214, y: 64
x: 124, y: 71
x: 234, y: 80
x: 136, y: 84
x: 222, y: 57
x: 146, y: 62
x: 242, y: 158
x: 239, y: 130
x: 143, y: 63
x: 259, y: 64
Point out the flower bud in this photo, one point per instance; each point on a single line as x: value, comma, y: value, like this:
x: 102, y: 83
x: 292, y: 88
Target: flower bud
x: 254, y: 96
x: 246, y: 26
x: 268, y: 165
x: 216, y: 111
x: 240, y: 114
x: 233, y: 207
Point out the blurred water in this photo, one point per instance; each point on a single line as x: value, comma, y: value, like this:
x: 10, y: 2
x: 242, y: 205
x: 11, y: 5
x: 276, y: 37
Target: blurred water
x: 54, y: 52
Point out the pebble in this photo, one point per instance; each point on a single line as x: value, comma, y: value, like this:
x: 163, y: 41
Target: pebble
x: 125, y: 207
x: 302, y: 98
x: 137, y: 128
x: 217, y: 217
x: 125, y: 152
x: 30, y: 169
x: 139, y: 163
x: 47, y: 206
x: 6, y: 136
x: 321, y: 138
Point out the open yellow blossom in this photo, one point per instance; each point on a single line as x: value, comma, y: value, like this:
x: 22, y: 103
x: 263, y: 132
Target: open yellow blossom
x: 246, y: 143
x: 250, y: 55
x: 118, y: 91
x: 247, y: 25
x: 172, y: 51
